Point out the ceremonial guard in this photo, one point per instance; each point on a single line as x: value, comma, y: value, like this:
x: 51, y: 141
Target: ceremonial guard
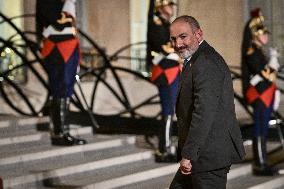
x: 260, y: 92
x: 164, y: 64
x: 255, y: 16
x: 56, y: 26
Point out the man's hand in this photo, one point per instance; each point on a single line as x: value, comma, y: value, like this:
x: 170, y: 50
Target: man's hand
x: 185, y: 166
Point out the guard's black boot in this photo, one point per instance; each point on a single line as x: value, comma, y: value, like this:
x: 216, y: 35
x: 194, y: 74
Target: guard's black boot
x: 265, y: 170
x: 60, y: 133
x: 166, y: 157
x: 66, y: 140
x: 166, y: 152
x: 260, y: 167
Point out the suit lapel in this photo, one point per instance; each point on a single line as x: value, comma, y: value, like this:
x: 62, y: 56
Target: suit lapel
x: 203, y: 45
x: 186, y: 71
x: 184, y: 75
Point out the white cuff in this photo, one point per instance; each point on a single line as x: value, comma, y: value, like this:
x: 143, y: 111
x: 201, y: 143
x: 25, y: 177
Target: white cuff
x: 157, y: 59
x: 255, y: 80
x: 173, y: 56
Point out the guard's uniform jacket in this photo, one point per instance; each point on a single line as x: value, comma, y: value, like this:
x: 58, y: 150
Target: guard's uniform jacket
x: 260, y: 88
x: 165, y: 66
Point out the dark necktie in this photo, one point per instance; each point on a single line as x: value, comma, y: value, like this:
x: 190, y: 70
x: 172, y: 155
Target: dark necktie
x: 186, y: 61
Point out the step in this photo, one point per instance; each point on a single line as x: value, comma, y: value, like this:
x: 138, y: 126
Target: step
x: 118, y: 174
x: 246, y: 181
x: 29, y: 142
x: 26, y: 125
x: 78, y: 168
x: 16, y: 146
x: 11, y: 121
x: 240, y: 181
x: 256, y: 182
x: 97, y: 166
x: 77, y: 160
x: 18, y: 130
x: 22, y: 126
x: 239, y: 170
x: 162, y: 182
x: 54, y: 151
x: 144, y: 176
x: 134, y: 178
x: 272, y: 184
x: 21, y: 139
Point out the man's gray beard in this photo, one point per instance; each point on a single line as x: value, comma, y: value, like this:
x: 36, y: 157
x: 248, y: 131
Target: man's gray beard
x: 187, y: 54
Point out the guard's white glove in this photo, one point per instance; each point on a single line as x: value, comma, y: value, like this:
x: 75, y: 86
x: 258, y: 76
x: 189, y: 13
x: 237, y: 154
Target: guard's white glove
x: 173, y: 56
x: 255, y: 80
x: 158, y: 58
x: 273, y: 61
x: 277, y: 98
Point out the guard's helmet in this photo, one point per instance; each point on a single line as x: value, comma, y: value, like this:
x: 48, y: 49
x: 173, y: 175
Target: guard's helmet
x: 256, y: 13
x: 259, y: 29
x: 256, y: 24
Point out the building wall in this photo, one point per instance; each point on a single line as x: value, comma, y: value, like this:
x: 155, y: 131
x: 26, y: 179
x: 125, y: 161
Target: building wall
x: 222, y: 23
x: 108, y: 22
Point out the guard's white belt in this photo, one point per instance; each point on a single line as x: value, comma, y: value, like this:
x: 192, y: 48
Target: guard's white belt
x: 51, y: 31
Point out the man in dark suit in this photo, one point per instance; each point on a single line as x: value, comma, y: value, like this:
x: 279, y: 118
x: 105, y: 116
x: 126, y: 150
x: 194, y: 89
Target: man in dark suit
x: 209, y: 136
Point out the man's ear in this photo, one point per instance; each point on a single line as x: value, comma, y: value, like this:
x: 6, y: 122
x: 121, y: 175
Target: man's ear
x: 199, y: 34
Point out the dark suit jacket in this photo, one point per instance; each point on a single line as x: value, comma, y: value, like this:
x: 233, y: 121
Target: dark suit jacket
x: 208, y: 132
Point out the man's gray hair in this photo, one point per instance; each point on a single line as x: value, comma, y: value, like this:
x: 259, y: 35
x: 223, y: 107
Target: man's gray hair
x: 190, y: 20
